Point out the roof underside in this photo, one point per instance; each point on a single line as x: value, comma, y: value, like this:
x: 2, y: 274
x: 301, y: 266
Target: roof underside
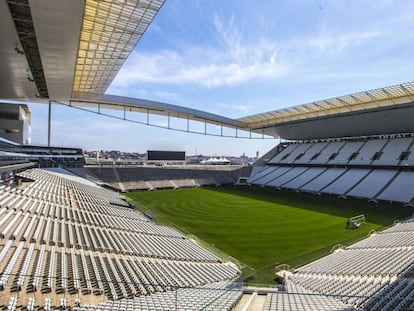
x: 289, y: 123
x: 50, y: 48
x: 110, y: 31
x: 382, y: 97
x: 386, y: 120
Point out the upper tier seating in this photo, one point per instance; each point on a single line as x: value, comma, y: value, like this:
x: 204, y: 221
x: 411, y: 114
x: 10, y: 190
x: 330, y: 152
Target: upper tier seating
x: 393, y: 150
x: 346, y: 152
x: 312, y: 153
x: 327, y: 152
x: 366, y: 153
x: 375, y: 169
x: 378, y: 151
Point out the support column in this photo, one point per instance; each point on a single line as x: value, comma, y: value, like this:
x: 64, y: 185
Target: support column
x: 49, y: 123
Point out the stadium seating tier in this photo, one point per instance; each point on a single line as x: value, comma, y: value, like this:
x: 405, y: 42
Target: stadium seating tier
x: 65, y: 242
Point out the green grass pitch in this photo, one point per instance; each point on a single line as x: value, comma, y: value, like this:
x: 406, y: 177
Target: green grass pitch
x: 262, y: 227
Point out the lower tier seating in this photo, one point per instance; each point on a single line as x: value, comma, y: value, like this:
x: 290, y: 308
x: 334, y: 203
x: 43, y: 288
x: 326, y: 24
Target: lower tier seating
x: 66, y: 243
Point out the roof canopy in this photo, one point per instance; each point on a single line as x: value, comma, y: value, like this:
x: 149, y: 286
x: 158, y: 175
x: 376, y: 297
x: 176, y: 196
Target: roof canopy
x: 50, y: 48
x: 356, y: 114
x: 69, y: 51
x: 357, y: 102
x: 110, y: 31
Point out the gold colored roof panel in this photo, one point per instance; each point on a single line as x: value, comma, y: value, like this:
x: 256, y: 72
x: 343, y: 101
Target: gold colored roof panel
x: 110, y: 31
x: 387, y: 96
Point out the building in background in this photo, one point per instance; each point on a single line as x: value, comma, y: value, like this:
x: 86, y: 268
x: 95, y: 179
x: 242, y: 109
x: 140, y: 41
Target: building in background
x: 15, y: 123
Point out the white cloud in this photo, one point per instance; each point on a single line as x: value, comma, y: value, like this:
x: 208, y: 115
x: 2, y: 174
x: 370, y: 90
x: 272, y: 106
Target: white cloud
x: 232, y: 109
x: 334, y: 43
x: 169, y: 67
x: 165, y: 95
x: 231, y: 62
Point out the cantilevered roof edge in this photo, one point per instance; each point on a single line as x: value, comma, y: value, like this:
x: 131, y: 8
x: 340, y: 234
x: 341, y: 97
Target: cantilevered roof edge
x: 382, y: 97
x: 119, y: 102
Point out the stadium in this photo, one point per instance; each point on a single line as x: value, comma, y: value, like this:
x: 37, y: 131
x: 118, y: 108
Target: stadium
x: 322, y: 221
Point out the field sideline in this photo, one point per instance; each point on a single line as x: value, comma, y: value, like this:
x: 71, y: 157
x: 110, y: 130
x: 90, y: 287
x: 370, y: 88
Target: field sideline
x: 262, y: 227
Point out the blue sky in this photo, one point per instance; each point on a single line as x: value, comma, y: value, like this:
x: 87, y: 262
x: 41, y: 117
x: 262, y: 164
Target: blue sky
x: 241, y: 57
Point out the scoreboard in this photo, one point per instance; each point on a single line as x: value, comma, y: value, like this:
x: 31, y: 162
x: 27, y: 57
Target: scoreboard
x: 158, y: 155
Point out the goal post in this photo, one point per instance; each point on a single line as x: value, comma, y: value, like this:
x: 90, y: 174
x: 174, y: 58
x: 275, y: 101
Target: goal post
x: 355, y: 222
